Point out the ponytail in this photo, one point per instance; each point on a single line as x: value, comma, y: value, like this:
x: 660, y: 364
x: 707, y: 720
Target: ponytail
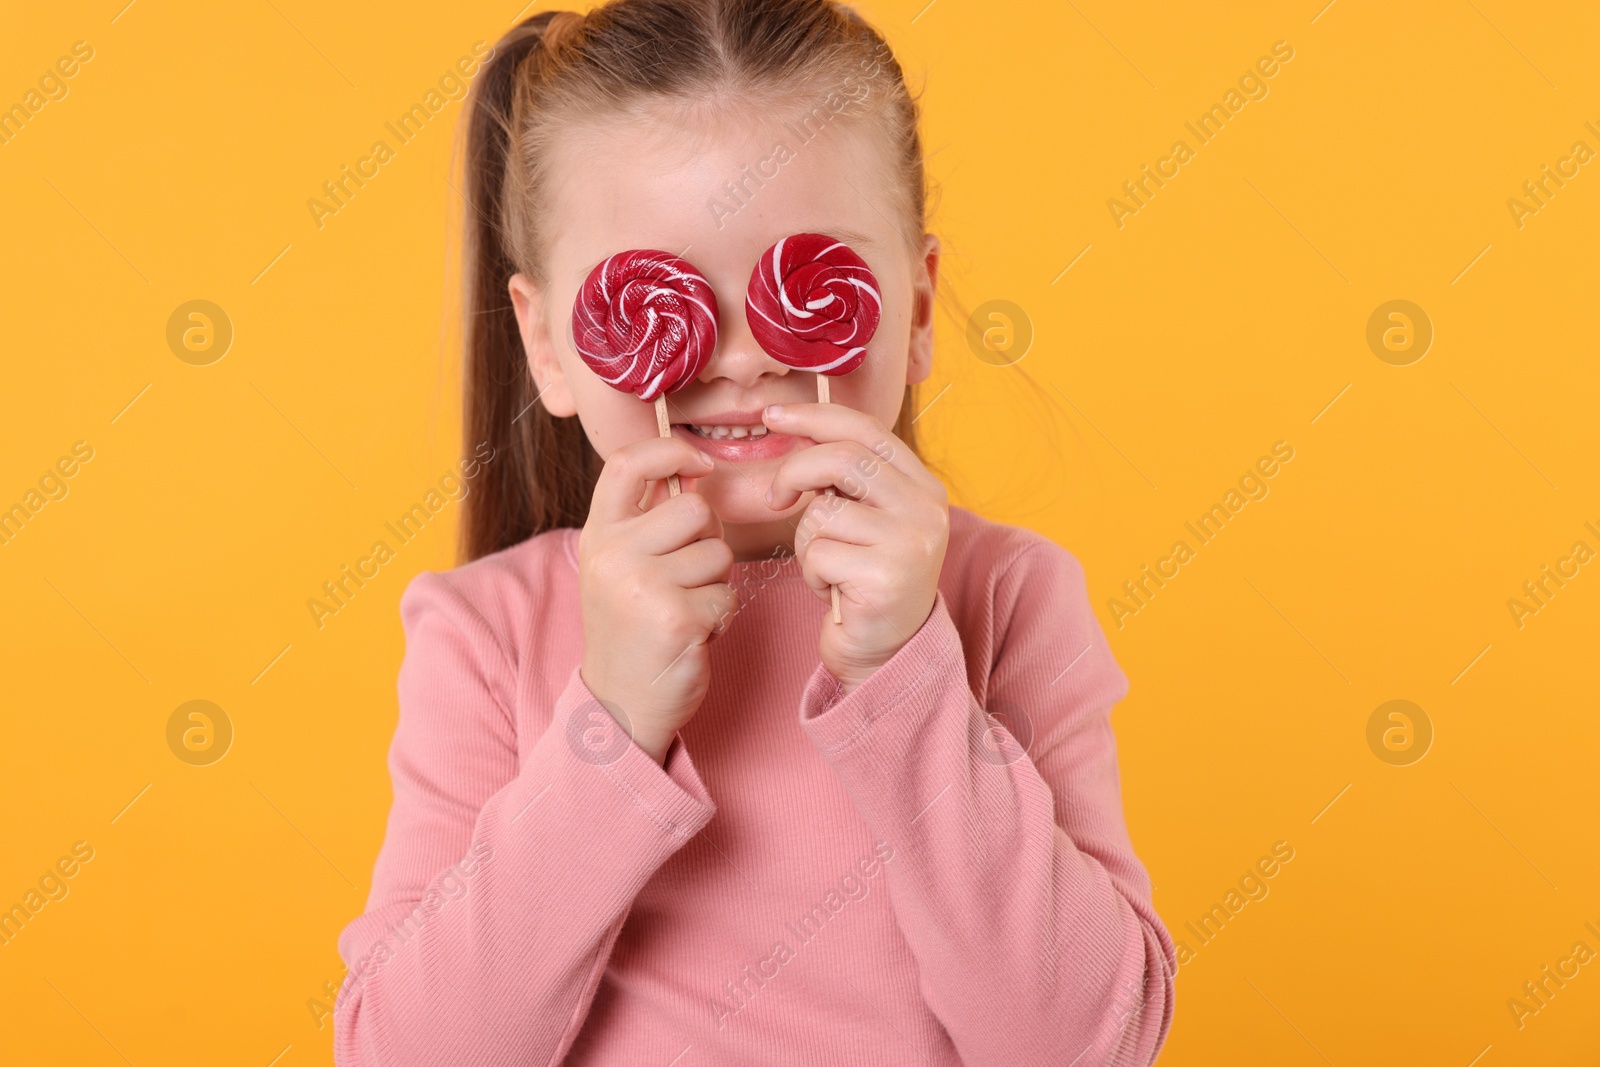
x: 544, y: 469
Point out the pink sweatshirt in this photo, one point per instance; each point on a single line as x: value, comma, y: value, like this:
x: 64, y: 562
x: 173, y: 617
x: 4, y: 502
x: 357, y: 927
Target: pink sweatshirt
x: 894, y: 878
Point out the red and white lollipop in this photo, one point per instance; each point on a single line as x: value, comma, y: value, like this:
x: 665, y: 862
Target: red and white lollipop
x: 646, y: 322
x: 813, y: 304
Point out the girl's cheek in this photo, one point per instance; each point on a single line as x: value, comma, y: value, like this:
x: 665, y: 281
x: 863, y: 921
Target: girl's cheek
x: 616, y: 419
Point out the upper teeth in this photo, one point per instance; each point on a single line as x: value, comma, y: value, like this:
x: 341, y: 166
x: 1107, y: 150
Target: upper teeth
x: 729, y: 431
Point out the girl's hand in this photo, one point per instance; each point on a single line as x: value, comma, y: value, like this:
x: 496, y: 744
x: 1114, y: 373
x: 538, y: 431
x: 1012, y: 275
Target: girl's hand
x: 654, y: 584
x: 881, y: 540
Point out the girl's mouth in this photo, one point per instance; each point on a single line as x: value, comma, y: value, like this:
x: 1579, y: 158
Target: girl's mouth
x: 735, y: 443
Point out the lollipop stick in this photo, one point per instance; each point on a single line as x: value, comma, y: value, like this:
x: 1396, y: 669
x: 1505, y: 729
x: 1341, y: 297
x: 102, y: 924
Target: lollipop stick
x: 666, y: 431
x: 822, y: 398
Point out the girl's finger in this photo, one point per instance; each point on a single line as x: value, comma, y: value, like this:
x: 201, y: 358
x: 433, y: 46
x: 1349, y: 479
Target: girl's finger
x: 704, y: 562
x: 828, y: 562
x: 839, y: 422
x: 849, y: 468
x: 622, y: 483
x: 673, y: 523
x: 660, y: 492
x: 716, y: 603
x: 839, y: 519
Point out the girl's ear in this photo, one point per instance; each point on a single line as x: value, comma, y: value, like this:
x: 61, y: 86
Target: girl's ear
x: 550, y: 383
x: 924, y: 283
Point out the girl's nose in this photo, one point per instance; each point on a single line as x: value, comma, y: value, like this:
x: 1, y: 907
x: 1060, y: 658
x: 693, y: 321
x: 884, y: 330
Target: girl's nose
x: 738, y: 358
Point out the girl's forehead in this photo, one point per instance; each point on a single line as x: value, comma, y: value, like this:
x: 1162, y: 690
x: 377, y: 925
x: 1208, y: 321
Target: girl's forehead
x: 717, y: 197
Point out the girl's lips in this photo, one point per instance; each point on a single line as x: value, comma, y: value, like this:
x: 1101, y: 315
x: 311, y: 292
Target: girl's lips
x: 739, y: 450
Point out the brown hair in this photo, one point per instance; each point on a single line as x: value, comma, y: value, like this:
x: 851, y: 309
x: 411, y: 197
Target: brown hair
x: 558, y: 66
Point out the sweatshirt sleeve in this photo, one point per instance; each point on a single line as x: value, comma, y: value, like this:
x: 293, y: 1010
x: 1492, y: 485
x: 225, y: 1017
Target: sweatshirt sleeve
x: 1015, y: 882
x: 493, y: 913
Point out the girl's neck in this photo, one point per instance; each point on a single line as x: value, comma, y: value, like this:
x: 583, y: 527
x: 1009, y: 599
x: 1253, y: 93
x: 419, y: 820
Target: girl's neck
x: 759, y: 540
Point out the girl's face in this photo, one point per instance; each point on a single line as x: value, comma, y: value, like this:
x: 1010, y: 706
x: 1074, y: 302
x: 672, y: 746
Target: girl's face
x: 630, y: 184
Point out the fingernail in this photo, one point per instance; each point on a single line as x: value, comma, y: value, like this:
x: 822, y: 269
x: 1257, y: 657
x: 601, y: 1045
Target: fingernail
x: 774, y: 411
x: 707, y: 461
x: 769, y: 494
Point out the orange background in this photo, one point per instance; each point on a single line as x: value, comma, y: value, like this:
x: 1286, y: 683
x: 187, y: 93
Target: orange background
x: 1229, y: 313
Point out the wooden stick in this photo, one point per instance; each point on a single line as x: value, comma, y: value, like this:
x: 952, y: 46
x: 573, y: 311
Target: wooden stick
x: 665, y: 427
x: 822, y: 398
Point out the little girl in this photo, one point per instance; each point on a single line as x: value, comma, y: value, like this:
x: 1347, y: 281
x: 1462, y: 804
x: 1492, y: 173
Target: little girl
x: 652, y: 804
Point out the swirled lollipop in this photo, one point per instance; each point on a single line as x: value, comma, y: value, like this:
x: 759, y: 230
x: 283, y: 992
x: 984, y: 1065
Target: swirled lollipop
x: 813, y: 304
x: 645, y: 321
